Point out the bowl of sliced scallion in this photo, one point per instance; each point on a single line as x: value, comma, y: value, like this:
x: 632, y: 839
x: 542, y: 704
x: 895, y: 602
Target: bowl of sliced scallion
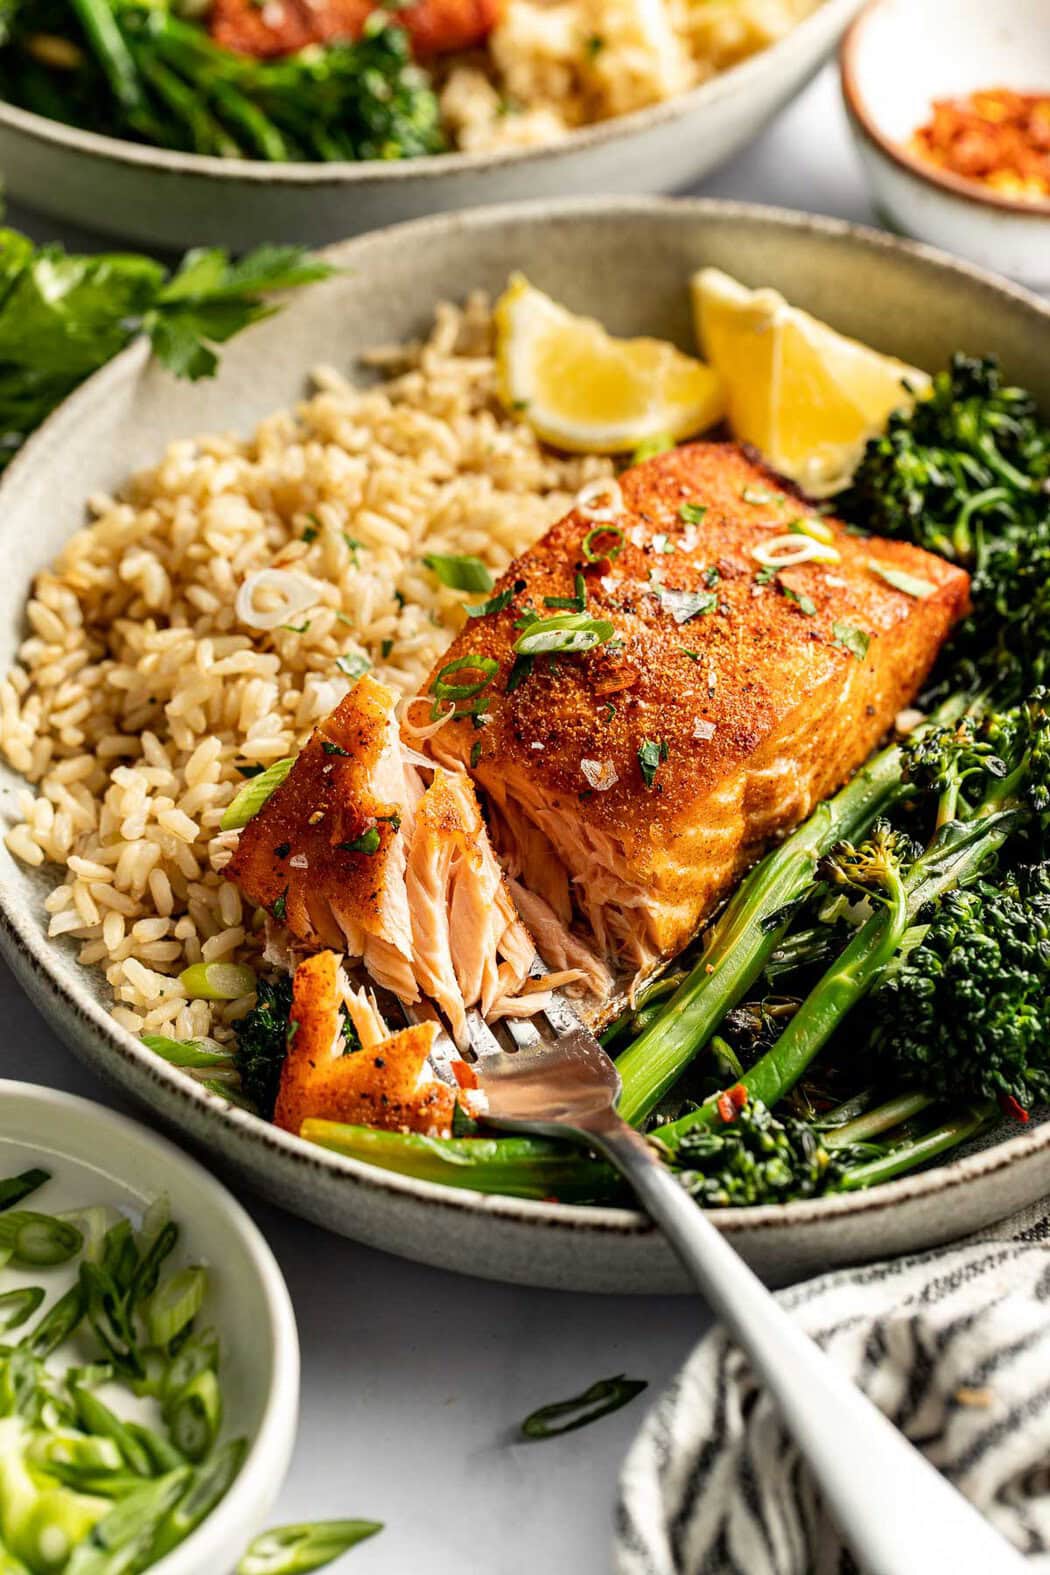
x: 149, y: 1361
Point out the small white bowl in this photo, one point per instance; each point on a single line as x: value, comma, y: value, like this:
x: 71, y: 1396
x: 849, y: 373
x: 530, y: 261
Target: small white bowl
x: 900, y: 55
x: 96, y: 1156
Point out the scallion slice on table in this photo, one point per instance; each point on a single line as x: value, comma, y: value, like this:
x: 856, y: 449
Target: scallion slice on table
x: 295, y: 1550
x: 564, y: 1416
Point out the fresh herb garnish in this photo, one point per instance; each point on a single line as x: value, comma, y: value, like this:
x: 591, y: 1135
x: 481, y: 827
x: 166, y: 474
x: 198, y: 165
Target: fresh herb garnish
x: 694, y: 656
x: 334, y: 749
x: 367, y: 842
x: 594, y: 546
x: 652, y: 753
x: 311, y: 533
x: 280, y: 907
x: 251, y: 798
x: 851, y: 639
x: 692, y: 513
x: 648, y: 448
x: 765, y: 574
x: 475, y: 753
x: 805, y: 603
x: 459, y: 573
x: 566, y: 632
x: 610, y: 711
x: 295, y: 628
x: 485, y: 666
x: 353, y: 665
x: 910, y: 584
x: 385, y: 648
x: 564, y: 1416
x: 497, y: 603
x: 575, y: 603
x: 520, y: 670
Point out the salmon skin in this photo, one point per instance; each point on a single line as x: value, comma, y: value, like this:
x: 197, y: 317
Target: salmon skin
x: 281, y: 27
x: 630, y: 786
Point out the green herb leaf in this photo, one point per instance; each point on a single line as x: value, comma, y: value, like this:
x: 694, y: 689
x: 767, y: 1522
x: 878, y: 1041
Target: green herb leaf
x: 497, y: 603
x: 910, y: 584
x: 601, y: 1399
x: 692, y: 513
x: 475, y: 753
x: 651, y: 755
x: 575, y: 603
x: 334, y: 749
x: 459, y: 573
x: 765, y: 574
x: 648, y: 448
x: 851, y: 639
x: 353, y: 665
x: 368, y: 842
x: 805, y: 603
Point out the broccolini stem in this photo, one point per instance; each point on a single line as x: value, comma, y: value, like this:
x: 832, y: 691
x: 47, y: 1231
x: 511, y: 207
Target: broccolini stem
x: 519, y: 1167
x: 918, y: 1151
x: 741, y: 941
x: 955, y: 856
x: 883, y: 1118
x: 101, y: 26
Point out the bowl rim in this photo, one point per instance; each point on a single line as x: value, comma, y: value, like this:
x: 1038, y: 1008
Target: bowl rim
x: 954, y: 186
x: 272, y: 1443
x: 85, y: 1020
x: 381, y: 172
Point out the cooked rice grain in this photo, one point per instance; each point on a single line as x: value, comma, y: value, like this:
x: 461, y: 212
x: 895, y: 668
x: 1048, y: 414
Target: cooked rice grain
x: 138, y: 692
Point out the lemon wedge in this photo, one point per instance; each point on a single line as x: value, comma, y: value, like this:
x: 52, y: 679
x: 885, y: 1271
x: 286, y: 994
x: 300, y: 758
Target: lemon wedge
x: 582, y: 390
x: 807, y: 397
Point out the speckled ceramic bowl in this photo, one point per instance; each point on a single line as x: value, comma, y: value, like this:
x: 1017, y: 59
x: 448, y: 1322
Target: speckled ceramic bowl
x: 162, y: 198
x: 628, y: 263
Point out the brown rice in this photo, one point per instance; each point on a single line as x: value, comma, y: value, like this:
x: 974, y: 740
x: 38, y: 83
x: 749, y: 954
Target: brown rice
x: 138, y: 692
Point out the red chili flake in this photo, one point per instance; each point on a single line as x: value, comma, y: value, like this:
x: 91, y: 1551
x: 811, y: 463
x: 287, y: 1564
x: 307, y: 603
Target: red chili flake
x: 731, y: 1102
x: 1011, y: 1107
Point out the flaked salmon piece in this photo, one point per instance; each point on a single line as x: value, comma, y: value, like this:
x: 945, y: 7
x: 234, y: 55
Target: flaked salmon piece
x: 280, y: 27
x: 560, y: 949
x: 387, y: 1082
x: 354, y: 854
x: 464, y: 926
x: 630, y: 786
x: 326, y: 854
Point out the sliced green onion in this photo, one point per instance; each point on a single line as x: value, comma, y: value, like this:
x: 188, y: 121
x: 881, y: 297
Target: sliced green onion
x: 217, y: 981
x: 253, y: 795
x: 495, y: 604
x: 39, y: 1239
x: 16, y: 1306
x: 910, y: 584
x: 648, y: 448
x: 567, y: 632
x: 851, y: 639
x: 815, y: 529
x: 94, y: 1224
x: 195, y: 1416
x: 487, y: 666
x: 295, y: 1550
x: 209, y: 1485
x: 595, y: 553
x: 123, y: 1540
x: 602, y: 1398
x: 187, y: 1052
x: 71, y: 1456
x: 96, y: 1417
x: 175, y: 1303
x: 14, y: 1188
x: 353, y: 665
x: 57, y: 1324
x: 459, y: 573
x: 692, y: 513
x: 162, y: 1455
x: 757, y: 495
x: 200, y: 1354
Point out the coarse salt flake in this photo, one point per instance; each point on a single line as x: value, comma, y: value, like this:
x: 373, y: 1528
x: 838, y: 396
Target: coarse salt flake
x: 703, y: 730
x: 601, y: 774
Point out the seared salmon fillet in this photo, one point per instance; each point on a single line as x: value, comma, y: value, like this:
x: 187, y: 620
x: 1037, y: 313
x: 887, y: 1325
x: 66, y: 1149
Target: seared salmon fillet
x: 355, y: 853
x: 343, y: 1065
x: 630, y: 786
x: 280, y: 27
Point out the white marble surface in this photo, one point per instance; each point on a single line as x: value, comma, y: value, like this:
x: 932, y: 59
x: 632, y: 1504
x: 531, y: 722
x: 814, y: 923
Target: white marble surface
x: 414, y: 1380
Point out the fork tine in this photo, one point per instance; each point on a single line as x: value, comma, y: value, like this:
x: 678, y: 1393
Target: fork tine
x: 483, y: 1041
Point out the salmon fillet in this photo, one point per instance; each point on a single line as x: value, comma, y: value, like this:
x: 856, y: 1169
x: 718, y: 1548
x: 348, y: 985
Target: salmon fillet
x: 280, y: 27
x: 384, y: 1080
x: 354, y: 853
x: 630, y: 786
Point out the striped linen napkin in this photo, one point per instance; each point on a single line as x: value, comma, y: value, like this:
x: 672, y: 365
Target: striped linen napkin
x: 954, y: 1345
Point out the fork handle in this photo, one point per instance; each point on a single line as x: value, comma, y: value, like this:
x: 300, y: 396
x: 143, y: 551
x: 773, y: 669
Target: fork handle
x: 898, y: 1513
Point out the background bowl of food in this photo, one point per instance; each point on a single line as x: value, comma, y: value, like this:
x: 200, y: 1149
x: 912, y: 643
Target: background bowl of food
x: 135, y: 120
x: 181, y: 612
x: 950, y: 109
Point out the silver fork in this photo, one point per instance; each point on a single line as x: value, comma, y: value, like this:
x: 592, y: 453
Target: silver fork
x: 899, y: 1515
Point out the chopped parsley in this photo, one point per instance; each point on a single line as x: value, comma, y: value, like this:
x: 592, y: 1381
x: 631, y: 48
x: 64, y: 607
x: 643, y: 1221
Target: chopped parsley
x: 353, y: 546
x: 610, y: 711
x: 280, y: 907
x: 692, y: 513
x: 765, y: 574
x: 475, y: 753
x: 519, y: 672
x: 353, y: 665
x: 334, y: 749
x: 851, y: 639
x: 385, y: 648
x: 805, y: 603
x: 367, y: 842
x: 311, y: 533
x: 694, y: 656
x: 652, y: 753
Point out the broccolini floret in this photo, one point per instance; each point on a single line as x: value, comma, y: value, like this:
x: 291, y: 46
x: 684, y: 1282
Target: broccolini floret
x: 262, y: 1043
x: 757, y: 1157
